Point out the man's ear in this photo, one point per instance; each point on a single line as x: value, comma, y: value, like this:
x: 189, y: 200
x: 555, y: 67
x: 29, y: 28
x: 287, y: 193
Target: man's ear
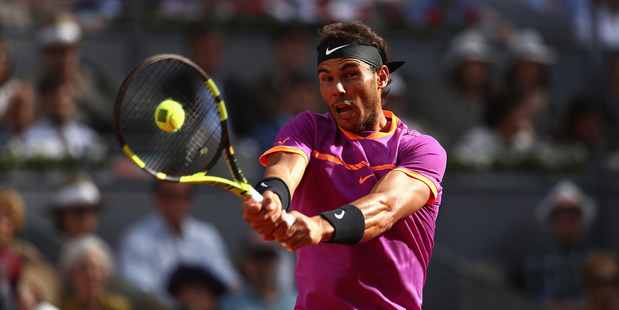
x: 382, y: 76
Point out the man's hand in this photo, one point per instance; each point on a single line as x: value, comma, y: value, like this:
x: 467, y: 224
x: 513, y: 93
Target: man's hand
x: 303, y: 232
x: 265, y: 217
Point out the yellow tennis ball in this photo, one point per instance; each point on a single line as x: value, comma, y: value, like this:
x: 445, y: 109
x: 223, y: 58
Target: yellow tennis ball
x: 169, y: 115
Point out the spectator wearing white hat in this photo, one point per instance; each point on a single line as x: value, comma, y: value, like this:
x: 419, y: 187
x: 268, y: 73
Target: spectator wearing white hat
x: 529, y: 60
x: 60, y: 56
x: 552, y: 269
x: 457, y: 103
x: 75, y: 206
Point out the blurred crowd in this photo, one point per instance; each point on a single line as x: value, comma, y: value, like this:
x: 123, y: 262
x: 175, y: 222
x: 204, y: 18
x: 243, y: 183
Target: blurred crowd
x: 494, y: 107
x: 168, y: 259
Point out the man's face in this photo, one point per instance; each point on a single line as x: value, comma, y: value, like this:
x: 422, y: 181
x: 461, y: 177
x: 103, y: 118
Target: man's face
x: 79, y: 220
x: 173, y: 201
x: 351, y: 90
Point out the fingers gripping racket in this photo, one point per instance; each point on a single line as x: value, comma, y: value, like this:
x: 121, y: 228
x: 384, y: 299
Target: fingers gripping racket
x: 171, y: 121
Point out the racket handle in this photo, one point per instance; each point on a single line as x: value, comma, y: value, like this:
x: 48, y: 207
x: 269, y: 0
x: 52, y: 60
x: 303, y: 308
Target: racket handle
x: 257, y: 197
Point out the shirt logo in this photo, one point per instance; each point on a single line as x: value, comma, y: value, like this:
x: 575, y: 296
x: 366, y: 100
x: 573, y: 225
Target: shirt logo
x: 339, y: 216
x: 361, y: 180
x: 328, y: 51
x: 283, y: 141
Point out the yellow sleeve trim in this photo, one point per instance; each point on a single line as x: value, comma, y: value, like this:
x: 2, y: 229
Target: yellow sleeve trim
x: 430, y: 184
x: 279, y: 148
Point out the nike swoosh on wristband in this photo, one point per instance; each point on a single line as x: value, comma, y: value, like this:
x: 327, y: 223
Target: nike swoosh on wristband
x: 339, y: 216
x: 328, y: 51
x: 263, y: 185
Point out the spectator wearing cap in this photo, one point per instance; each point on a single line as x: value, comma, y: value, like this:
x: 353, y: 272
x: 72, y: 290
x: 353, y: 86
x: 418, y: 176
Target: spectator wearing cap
x: 259, y: 264
x: 552, y: 269
x: 457, y: 103
x: 195, y: 287
x: 529, y: 60
x: 60, y: 57
x: 75, y: 207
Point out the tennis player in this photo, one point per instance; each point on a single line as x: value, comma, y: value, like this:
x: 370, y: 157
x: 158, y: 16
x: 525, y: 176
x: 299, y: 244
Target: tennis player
x: 363, y: 189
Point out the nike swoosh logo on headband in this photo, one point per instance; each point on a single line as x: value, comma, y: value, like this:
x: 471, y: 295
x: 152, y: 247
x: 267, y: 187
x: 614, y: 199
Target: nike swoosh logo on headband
x: 328, y: 51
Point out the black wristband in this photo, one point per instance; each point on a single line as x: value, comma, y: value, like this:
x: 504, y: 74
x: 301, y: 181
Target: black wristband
x: 348, y: 224
x: 277, y: 186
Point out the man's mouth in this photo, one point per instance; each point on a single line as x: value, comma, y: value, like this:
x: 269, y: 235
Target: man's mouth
x: 343, y: 109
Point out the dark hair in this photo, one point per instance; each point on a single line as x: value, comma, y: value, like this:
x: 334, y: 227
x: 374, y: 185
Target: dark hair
x: 358, y: 32
x: 187, y: 274
x: 500, y: 106
x: 353, y: 31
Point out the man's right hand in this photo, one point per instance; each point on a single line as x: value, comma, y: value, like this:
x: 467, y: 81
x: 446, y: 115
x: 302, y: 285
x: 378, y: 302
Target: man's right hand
x: 264, y: 217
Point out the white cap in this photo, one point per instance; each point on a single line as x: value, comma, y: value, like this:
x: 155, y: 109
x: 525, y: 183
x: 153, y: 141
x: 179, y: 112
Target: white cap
x: 566, y: 194
x: 528, y: 44
x: 62, y: 33
x: 469, y: 45
x: 80, y: 193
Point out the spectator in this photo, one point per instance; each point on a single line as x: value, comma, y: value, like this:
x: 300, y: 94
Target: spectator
x: 206, y: 46
x: 584, y: 125
x: 55, y: 134
x: 506, y: 134
x: 16, y: 98
x: 18, y: 257
x: 259, y: 265
x: 75, y: 207
x: 96, y: 15
x: 60, y: 58
x: 443, y: 13
x: 598, y: 25
x: 86, y: 262
x: 39, y: 288
x: 151, y: 248
x: 468, y: 67
x: 529, y: 60
x: 552, y: 269
x: 194, y: 287
x: 566, y: 10
x: 16, y: 15
x: 290, y: 47
x: 302, y: 94
x: 600, y: 276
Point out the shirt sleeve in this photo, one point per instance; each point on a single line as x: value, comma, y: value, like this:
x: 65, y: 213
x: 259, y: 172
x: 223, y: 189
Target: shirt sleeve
x: 423, y: 158
x: 297, y: 136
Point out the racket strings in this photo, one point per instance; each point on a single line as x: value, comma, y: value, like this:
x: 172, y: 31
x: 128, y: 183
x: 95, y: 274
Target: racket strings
x: 196, y: 145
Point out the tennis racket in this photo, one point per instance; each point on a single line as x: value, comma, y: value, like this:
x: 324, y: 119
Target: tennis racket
x: 186, y: 154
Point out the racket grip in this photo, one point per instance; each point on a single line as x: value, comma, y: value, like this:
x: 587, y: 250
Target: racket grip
x: 255, y: 196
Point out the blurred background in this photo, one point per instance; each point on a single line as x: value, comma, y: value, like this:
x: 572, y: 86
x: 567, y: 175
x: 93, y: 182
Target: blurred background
x: 523, y: 95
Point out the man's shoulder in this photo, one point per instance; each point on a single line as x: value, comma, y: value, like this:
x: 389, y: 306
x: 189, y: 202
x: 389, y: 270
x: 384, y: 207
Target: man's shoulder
x: 146, y: 227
